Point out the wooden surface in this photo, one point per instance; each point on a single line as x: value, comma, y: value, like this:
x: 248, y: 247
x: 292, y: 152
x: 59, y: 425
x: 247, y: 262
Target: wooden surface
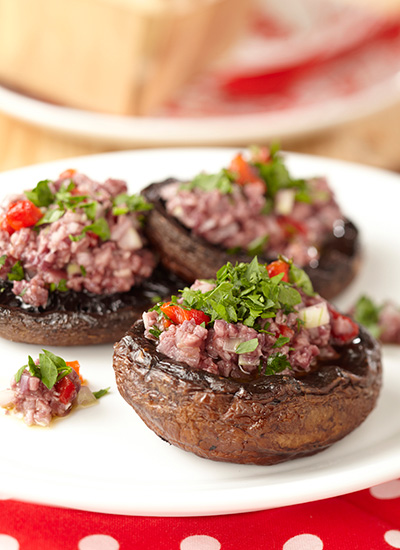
x: 374, y: 140
x: 129, y: 62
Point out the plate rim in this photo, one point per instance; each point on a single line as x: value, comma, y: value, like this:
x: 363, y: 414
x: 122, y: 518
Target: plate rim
x: 195, y: 131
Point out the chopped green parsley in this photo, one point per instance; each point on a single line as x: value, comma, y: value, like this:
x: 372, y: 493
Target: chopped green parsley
x: 245, y: 293
x: 41, y: 195
x: 61, y: 286
x: 366, y: 313
x: 17, y: 272
x: 222, y: 181
x: 277, y: 177
x: 123, y: 203
x: 275, y: 364
x: 65, y: 198
x: 100, y: 393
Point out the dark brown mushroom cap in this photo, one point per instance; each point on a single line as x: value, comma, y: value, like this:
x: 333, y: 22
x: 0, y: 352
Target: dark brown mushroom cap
x: 192, y: 257
x: 81, y: 318
x: 267, y: 420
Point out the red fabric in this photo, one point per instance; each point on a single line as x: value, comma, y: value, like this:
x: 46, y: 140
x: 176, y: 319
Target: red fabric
x: 364, y: 520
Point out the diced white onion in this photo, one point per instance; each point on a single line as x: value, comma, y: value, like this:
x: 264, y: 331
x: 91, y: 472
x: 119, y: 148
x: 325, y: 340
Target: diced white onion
x: 314, y: 316
x: 178, y: 211
x: 6, y: 398
x: 284, y: 201
x: 85, y: 397
x: 244, y: 361
x: 232, y: 343
x: 130, y: 240
x: 73, y: 269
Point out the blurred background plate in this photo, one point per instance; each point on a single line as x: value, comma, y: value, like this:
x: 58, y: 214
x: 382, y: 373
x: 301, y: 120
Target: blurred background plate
x: 311, y: 67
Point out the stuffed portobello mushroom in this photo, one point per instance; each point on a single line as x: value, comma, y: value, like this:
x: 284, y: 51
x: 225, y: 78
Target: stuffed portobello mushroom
x: 75, y: 267
x: 252, y: 367
x: 253, y: 207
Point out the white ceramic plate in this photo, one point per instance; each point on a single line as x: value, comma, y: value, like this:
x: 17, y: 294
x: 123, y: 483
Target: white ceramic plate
x: 355, y: 74
x: 104, y: 458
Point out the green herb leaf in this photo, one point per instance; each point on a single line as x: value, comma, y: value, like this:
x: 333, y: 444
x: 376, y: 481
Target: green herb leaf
x: 276, y: 363
x: 52, y: 368
x: 51, y: 216
x: 18, y: 374
x: 303, y: 195
x: 100, y: 227
x: 41, y: 195
x: 277, y: 177
x: 256, y: 247
x: 366, y: 313
x: 243, y: 293
x: 123, y: 203
x: 76, y: 238
x: 300, y: 278
x: 233, y: 250
x: 155, y: 332
x: 17, y: 272
x: 33, y: 367
x: 83, y: 270
x: 281, y: 341
x: 61, y: 286
x: 247, y: 347
x: 289, y: 296
x: 66, y: 199
x: 100, y: 393
x: 48, y: 371
x: 3, y: 259
x: 222, y: 181
x: 90, y: 209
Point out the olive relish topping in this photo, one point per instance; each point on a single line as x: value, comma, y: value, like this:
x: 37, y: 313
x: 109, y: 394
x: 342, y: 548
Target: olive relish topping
x: 55, y: 205
x: 253, y: 319
x: 246, y: 293
x: 47, y: 388
x: 262, y: 164
x: 73, y: 233
x: 50, y: 369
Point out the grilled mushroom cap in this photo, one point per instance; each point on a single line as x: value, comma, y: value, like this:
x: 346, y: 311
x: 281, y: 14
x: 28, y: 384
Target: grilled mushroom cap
x: 267, y: 420
x: 192, y: 257
x: 81, y: 318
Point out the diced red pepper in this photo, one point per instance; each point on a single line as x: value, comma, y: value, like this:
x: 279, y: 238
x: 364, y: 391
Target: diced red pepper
x: 5, y: 226
x: 67, y: 174
x: 285, y: 331
x: 343, y: 328
x: 178, y: 315
x: 66, y: 389
x: 22, y: 214
x: 92, y: 235
x: 277, y: 267
x: 290, y: 226
x: 244, y: 172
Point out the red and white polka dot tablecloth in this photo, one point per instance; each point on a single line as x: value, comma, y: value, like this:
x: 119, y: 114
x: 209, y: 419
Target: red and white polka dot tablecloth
x: 366, y: 520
